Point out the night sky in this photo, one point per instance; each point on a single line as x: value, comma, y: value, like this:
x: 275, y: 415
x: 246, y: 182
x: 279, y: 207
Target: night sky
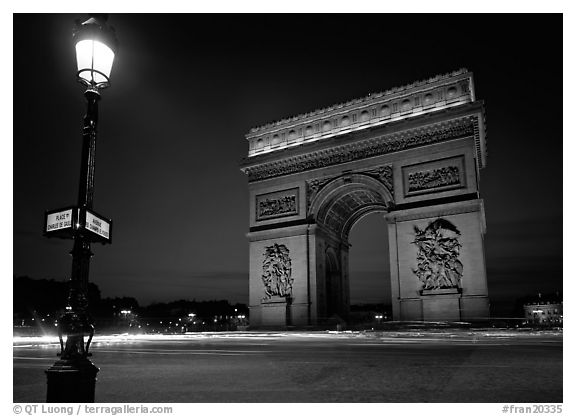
x: 187, y: 88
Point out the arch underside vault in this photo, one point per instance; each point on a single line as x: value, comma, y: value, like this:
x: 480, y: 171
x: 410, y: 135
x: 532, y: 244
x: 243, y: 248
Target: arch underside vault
x: 344, y: 200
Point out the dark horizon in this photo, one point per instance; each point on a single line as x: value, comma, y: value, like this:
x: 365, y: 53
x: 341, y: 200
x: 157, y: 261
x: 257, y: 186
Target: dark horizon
x: 187, y: 88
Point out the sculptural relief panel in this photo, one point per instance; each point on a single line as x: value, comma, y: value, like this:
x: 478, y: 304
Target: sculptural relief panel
x: 277, y: 204
x: 434, y: 176
x: 277, y: 272
x: 438, y: 263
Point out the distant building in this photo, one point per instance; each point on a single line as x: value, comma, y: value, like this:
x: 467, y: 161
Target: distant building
x: 544, y: 311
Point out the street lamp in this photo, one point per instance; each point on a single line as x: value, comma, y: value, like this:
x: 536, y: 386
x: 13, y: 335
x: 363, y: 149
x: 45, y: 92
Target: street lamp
x: 73, y: 377
x: 95, y: 46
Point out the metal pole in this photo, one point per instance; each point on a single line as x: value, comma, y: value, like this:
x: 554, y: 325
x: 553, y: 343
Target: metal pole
x: 73, y: 377
x: 86, y: 188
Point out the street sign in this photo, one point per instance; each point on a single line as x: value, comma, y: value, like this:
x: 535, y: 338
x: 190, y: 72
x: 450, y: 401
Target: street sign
x: 68, y: 222
x: 98, y: 225
x: 61, y: 222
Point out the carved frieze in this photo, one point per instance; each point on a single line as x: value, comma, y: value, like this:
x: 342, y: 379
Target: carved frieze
x: 277, y: 204
x: 434, y: 176
x: 362, y: 149
x: 438, y: 265
x: 277, y: 272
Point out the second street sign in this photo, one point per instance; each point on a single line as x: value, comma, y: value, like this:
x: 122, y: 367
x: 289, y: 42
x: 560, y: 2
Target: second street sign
x: 98, y: 225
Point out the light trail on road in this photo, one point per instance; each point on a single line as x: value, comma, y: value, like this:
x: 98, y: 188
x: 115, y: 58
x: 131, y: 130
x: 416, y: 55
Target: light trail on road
x: 393, y: 366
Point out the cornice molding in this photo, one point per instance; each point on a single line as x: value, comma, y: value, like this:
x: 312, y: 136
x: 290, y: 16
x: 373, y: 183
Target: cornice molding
x: 403, y: 103
x: 438, y: 210
x: 369, y: 98
x: 376, y: 146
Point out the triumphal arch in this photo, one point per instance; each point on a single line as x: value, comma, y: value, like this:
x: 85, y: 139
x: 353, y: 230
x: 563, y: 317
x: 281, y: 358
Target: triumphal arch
x: 413, y: 153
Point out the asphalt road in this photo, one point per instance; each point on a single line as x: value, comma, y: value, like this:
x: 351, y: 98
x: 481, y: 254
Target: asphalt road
x: 398, y: 367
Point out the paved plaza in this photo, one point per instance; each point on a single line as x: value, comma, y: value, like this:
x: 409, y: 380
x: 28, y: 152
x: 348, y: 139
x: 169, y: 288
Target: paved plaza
x: 394, y: 366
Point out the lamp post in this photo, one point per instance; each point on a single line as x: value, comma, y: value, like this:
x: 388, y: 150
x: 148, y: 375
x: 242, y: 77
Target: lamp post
x: 73, y: 377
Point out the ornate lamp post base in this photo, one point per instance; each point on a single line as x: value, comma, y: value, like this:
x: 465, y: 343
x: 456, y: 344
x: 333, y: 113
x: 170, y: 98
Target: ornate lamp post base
x: 71, y: 381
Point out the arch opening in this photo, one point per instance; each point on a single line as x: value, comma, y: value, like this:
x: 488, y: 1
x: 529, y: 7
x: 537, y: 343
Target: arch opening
x: 369, y: 271
x: 336, y: 209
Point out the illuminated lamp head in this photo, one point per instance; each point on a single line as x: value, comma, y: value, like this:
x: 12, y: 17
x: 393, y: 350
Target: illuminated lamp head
x: 96, y: 45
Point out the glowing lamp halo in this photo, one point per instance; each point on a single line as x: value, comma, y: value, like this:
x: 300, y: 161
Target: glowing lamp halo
x: 96, y: 45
